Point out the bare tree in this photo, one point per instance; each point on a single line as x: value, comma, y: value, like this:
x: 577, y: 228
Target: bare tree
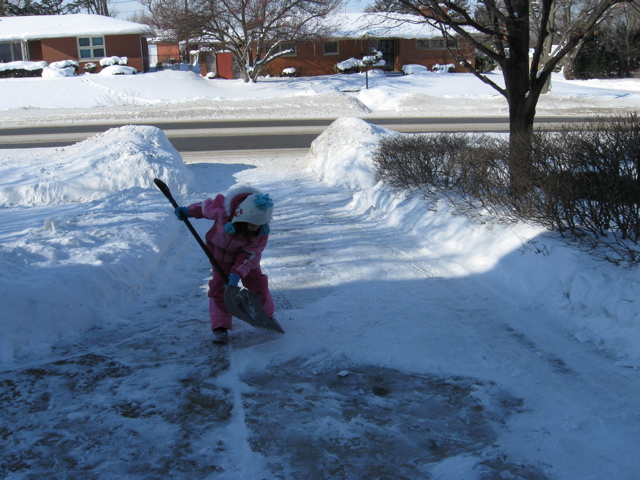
x: 254, y: 31
x: 98, y: 7
x: 45, y: 7
x: 502, y: 30
x: 177, y: 20
x: 625, y: 17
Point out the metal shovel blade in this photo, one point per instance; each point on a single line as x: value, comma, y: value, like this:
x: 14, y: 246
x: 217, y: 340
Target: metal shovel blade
x: 246, y: 305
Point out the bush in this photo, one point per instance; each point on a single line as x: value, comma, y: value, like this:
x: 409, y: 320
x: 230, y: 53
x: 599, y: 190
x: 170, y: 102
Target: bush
x: 449, y: 67
x: 90, y: 67
x: 583, y: 183
x: 484, y: 64
x: 610, y: 52
x: 22, y: 69
x: 352, y: 65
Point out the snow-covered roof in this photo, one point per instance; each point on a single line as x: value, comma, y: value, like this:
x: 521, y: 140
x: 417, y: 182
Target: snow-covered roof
x: 378, y: 25
x: 58, y: 26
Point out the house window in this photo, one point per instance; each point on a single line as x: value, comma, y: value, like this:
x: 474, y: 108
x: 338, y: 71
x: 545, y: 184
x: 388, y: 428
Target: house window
x: 91, y: 48
x: 286, y: 46
x: 330, y: 48
x: 10, y: 52
x: 434, y: 43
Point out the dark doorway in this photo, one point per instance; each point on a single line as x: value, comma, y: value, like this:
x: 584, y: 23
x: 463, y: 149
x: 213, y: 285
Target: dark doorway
x: 387, y: 48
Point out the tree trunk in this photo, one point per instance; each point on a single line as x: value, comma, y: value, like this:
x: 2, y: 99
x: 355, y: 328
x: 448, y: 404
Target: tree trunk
x: 522, y: 109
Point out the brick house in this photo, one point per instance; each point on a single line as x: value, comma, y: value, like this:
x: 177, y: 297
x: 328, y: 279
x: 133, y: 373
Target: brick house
x: 402, y: 40
x: 82, y: 37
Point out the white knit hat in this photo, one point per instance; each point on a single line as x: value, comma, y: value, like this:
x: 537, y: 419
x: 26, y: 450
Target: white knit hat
x: 256, y: 209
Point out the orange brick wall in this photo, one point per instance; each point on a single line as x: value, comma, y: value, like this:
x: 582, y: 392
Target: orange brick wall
x: 408, y: 54
x: 125, y: 46
x: 310, y: 59
x: 57, y: 49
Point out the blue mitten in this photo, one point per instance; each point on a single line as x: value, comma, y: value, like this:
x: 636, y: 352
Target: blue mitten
x: 233, y: 280
x: 182, y: 213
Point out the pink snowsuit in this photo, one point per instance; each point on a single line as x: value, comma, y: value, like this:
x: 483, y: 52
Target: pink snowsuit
x: 234, y: 254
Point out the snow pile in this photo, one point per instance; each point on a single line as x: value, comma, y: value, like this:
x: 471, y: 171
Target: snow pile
x: 342, y: 155
x: 118, y: 159
x: 522, y: 262
x: 98, y: 239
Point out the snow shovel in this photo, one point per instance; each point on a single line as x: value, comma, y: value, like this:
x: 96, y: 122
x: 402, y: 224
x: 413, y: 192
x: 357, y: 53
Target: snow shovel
x: 240, y: 302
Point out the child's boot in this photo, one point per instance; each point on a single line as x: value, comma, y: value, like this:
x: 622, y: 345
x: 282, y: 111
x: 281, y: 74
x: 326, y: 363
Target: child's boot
x: 220, y: 336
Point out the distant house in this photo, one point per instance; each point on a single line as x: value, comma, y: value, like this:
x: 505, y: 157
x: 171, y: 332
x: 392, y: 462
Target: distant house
x: 402, y: 40
x: 81, y: 37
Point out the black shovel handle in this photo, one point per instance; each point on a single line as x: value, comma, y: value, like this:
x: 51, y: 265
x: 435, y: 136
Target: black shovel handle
x: 167, y: 193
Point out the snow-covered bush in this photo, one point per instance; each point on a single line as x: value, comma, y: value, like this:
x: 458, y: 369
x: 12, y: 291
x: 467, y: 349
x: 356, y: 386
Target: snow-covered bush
x: 118, y: 70
x: 374, y: 59
x: 443, y: 68
x: 484, y: 64
x: 64, y: 68
x: 52, y: 72
x: 289, y: 72
x: 108, y: 61
x: 90, y: 67
x: 21, y: 69
x: 66, y: 64
x: 413, y: 68
x: 351, y: 65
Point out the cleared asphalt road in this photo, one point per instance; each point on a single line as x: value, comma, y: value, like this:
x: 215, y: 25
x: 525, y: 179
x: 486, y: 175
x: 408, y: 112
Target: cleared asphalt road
x: 255, y: 135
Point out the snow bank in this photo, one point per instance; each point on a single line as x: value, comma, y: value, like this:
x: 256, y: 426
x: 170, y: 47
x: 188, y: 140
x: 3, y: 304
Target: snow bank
x: 91, y: 233
x: 523, y: 263
x: 342, y: 155
x: 121, y: 158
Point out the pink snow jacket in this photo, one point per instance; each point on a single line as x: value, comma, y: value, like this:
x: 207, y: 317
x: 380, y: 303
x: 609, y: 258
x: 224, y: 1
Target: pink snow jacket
x: 229, y: 250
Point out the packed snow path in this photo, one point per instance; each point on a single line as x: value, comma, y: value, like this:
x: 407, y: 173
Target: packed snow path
x: 467, y: 385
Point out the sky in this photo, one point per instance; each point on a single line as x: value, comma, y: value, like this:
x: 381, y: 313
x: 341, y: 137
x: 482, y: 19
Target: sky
x: 419, y: 343
x: 125, y: 9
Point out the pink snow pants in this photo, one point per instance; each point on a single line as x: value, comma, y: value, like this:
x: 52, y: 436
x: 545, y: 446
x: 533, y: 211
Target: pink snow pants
x: 256, y: 281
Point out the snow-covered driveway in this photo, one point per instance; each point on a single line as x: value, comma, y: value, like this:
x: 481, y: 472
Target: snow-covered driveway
x: 390, y: 368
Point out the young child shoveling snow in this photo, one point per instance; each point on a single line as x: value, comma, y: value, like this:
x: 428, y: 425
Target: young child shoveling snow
x: 239, y: 234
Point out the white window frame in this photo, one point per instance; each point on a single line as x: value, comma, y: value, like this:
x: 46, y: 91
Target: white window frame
x: 93, y: 47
